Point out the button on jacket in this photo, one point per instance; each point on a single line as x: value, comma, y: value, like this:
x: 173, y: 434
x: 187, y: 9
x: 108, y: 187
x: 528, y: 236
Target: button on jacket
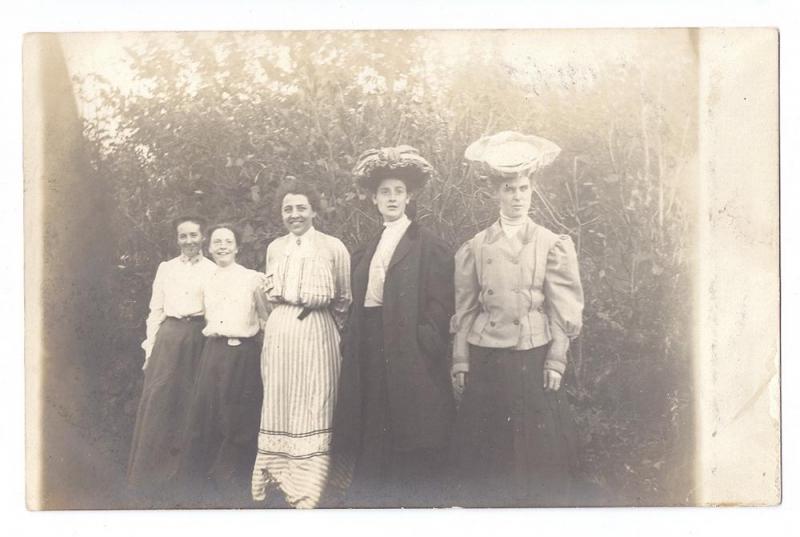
x: 515, y: 296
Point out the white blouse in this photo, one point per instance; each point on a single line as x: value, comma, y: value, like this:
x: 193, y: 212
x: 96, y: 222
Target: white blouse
x: 390, y: 238
x: 177, y: 292
x: 232, y: 302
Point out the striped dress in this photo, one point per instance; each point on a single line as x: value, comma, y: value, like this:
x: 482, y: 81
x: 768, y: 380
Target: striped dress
x: 300, y: 365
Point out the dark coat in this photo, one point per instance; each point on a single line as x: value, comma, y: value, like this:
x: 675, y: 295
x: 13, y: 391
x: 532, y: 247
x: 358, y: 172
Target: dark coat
x: 418, y: 301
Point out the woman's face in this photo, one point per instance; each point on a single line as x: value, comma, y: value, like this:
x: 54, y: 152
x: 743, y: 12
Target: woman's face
x: 190, y: 238
x: 515, y: 196
x: 391, y: 199
x: 297, y: 213
x: 222, y: 246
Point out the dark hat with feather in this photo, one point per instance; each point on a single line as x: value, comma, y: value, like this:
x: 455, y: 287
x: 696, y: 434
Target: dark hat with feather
x: 402, y: 162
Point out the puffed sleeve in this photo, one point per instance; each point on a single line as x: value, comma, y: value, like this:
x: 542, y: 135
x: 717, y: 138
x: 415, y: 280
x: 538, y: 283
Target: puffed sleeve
x: 342, y: 296
x: 157, y: 315
x: 467, y: 290
x: 562, y: 289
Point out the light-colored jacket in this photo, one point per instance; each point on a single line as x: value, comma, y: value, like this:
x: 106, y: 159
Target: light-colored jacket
x: 511, y: 297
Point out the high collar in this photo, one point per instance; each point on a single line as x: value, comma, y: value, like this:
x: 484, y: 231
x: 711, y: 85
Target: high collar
x: 300, y: 241
x: 403, y: 221
x: 512, y: 222
x: 227, y: 268
x: 191, y: 260
x: 526, y: 231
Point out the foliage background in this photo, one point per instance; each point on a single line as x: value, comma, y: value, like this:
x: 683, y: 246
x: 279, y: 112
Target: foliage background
x: 212, y: 123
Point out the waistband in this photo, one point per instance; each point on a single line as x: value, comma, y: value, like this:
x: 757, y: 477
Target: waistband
x: 477, y: 353
x: 232, y: 341
x: 188, y: 319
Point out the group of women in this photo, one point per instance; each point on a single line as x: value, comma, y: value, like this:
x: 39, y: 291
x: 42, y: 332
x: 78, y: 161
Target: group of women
x: 351, y: 400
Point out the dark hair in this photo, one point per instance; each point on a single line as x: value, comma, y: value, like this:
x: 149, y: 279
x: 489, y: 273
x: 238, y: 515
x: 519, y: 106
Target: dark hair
x: 230, y: 227
x: 190, y: 218
x: 411, y: 177
x: 411, y: 209
x: 302, y: 188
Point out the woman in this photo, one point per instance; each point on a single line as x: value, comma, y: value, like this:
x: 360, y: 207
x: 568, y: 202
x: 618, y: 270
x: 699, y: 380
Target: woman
x: 308, y: 289
x: 221, y: 437
x: 172, y: 349
x: 518, y: 303
x: 400, y: 415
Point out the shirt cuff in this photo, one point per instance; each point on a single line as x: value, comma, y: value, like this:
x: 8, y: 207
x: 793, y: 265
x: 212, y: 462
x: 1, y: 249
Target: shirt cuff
x: 556, y: 365
x: 147, y: 347
x: 459, y: 367
x: 460, y: 347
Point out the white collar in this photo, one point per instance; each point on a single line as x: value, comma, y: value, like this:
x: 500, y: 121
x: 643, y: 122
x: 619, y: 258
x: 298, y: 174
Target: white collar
x: 299, y: 242
x: 226, y: 268
x: 512, y: 222
x: 191, y: 260
x: 401, y: 222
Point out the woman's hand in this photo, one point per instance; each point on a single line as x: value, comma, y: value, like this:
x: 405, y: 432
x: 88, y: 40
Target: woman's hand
x: 147, y: 351
x: 552, y: 380
x: 556, y: 354
x: 268, y: 287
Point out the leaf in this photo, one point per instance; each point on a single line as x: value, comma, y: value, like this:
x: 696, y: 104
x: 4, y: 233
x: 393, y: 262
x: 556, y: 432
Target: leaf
x: 255, y: 193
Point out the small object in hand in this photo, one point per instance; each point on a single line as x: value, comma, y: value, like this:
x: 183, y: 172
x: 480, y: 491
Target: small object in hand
x: 303, y: 314
x: 233, y: 342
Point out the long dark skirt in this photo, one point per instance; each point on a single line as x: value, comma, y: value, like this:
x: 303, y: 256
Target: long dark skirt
x: 221, y: 437
x: 514, y: 442
x: 164, y: 408
x: 385, y: 476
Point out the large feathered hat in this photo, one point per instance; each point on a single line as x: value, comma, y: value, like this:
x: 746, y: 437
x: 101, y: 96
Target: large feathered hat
x: 402, y: 162
x: 508, y: 154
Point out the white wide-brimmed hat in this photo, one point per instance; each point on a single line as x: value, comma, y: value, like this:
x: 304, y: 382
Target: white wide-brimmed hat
x: 508, y: 154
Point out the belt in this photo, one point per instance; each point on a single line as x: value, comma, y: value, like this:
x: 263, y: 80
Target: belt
x: 188, y: 318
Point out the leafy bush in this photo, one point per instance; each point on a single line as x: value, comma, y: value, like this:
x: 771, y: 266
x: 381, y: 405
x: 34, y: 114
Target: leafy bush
x: 212, y: 124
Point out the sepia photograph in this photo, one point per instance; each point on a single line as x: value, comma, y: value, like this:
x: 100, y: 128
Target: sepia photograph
x: 401, y: 269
